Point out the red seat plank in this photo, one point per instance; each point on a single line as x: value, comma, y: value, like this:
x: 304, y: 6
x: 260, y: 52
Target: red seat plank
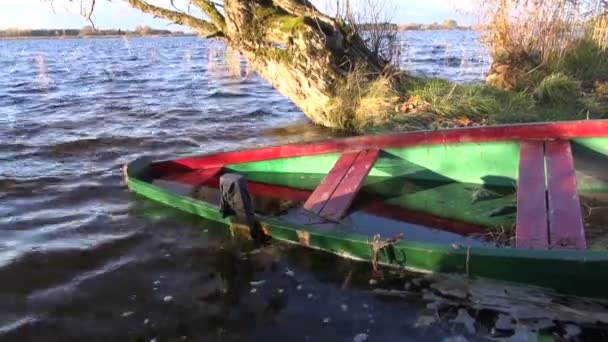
x: 339, y: 203
x: 531, y: 230
x: 196, y: 177
x: 566, y: 229
x: 323, y: 192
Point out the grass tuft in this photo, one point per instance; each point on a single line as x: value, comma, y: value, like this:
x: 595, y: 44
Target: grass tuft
x: 558, y: 88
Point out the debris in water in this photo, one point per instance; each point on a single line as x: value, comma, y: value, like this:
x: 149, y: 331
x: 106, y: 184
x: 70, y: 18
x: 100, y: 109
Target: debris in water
x: 157, y: 282
x: 254, y: 290
x: 504, y: 322
x: 365, y: 306
x: 360, y: 337
x: 127, y: 314
x: 571, y: 331
x: 310, y: 295
x: 257, y: 282
x: 451, y: 287
x: 205, y: 230
x: 373, y: 281
x: 425, y: 321
x: 458, y: 338
x: 326, y: 320
x: 501, y: 211
x: 299, y: 287
x: 483, y: 194
x: 168, y: 299
x: 280, y: 291
x: 289, y: 273
x: 146, y: 321
x: 466, y: 319
x: 344, y: 307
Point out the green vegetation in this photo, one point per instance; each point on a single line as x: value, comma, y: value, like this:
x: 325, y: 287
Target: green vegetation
x: 438, y: 104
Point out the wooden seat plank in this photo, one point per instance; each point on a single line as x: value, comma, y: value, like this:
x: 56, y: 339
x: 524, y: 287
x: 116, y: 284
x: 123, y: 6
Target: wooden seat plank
x: 566, y: 230
x: 339, y: 202
x: 328, y: 185
x: 531, y: 229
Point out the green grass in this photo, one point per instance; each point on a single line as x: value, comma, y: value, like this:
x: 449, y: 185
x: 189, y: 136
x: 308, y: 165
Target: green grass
x: 445, y: 104
x: 558, y: 88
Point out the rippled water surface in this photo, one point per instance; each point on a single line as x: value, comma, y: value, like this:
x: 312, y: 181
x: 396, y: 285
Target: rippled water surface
x: 83, y: 259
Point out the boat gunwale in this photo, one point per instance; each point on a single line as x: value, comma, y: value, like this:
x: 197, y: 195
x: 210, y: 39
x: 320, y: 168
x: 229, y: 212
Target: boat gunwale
x: 512, y: 132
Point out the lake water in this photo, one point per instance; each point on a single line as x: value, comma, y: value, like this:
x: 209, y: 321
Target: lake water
x: 81, y: 258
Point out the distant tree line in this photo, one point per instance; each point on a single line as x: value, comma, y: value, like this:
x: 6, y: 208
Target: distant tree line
x: 87, y: 31
x: 448, y: 24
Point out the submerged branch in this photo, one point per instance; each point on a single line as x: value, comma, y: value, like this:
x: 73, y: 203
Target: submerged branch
x: 202, y: 27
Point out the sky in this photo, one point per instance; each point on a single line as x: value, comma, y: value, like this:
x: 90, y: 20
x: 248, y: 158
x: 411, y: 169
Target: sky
x: 118, y: 14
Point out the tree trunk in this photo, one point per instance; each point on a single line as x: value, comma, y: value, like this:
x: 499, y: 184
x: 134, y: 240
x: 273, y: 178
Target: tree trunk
x: 304, y: 54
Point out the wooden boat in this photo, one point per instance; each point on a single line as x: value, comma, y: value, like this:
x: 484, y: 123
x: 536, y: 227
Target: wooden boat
x: 504, y: 202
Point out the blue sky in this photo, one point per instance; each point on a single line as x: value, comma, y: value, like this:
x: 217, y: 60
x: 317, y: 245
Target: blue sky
x: 118, y: 14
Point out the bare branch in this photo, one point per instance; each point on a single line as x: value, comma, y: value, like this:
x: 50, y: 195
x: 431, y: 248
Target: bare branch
x: 212, y: 12
x: 202, y: 27
x: 88, y: 15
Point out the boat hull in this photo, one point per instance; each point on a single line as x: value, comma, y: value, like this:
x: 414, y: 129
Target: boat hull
x: 577, y: 272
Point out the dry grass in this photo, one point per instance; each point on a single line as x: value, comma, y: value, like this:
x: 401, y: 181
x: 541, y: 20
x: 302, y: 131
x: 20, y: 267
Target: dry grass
x: 364, y: 101
x: 542, y: 30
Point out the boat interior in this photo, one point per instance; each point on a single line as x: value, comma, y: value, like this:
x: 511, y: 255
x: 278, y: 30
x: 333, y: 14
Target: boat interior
x: 540, y: 194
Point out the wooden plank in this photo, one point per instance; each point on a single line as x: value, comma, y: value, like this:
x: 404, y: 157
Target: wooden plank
x: 538, y: 131
x: 339, y: 202
x: 531, y: 230
x: 323, y: 192
x: 566, y: 230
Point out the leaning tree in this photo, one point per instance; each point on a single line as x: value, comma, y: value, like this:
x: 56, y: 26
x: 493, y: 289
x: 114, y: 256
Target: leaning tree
x: 305, y: 54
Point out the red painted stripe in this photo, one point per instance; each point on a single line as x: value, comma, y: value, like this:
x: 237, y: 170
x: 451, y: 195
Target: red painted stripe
x: 324, y: 191
x: 531, y: 228
x: 195, y: 178
x: 541, y: 131
x: 566, y: 229
x: 340, y: 201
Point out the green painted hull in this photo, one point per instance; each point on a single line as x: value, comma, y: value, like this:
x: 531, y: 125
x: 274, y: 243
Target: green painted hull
x: 489, y: 164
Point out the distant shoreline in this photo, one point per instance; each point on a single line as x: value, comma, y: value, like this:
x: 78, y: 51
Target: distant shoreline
x: 96, y: 37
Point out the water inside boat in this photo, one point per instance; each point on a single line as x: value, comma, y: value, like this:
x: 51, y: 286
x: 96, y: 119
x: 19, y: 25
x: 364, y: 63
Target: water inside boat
x: 422, y: 211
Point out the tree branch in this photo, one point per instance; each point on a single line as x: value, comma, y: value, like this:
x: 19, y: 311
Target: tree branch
x: 212, y: 12
x: 303, y: 8
x: 202, y: 27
